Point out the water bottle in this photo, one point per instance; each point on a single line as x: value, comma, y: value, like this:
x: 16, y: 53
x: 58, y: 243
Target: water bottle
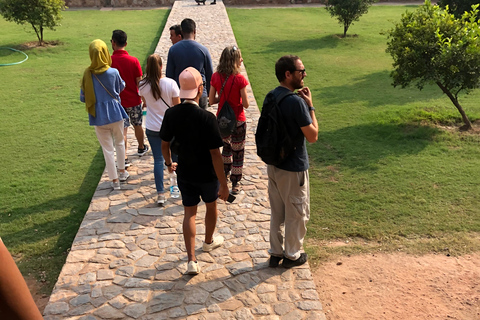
x: 174, y: 191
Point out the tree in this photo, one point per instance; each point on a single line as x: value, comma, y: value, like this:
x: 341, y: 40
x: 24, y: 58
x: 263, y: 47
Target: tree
x: 348, y: 11
x: 430, y: 45
x: 40, y: 14
x: 458, y: 7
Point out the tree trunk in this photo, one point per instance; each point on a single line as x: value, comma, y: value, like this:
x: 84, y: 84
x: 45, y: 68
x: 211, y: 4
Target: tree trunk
x: 40, y: 39
x: 468, y: 124
x: 41, y: 35
x: 345, y: 29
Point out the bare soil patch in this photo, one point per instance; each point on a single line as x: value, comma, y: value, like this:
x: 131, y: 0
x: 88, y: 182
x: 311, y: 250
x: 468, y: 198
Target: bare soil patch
x: 400, y: 286
x: 40, y: 298
x: 35, y: 44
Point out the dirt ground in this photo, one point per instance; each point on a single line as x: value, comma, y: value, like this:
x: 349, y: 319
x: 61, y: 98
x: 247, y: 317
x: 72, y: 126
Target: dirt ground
x: 400, y: 286
x: 389, y: 287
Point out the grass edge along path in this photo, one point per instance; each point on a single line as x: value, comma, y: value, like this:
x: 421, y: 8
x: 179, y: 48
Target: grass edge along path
x: 390, y: 171
x: 52, y: 157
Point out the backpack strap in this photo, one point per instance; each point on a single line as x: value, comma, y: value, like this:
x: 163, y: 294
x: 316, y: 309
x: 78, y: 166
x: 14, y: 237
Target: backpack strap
x: 282, y: 96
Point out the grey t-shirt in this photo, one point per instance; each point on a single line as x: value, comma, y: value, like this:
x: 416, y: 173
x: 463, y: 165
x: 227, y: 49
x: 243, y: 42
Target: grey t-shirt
x: 296, y: 115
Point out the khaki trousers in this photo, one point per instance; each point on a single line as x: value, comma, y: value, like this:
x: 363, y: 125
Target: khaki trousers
x: 289, y: 194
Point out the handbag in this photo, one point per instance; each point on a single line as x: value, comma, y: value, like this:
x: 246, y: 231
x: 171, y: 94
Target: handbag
x: 227, y: 121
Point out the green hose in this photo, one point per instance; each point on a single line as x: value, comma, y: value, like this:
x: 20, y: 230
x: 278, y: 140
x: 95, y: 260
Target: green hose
x: 13, y: 63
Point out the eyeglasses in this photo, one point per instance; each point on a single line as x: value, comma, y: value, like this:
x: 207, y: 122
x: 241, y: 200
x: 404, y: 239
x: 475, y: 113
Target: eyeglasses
x: 302, y: 71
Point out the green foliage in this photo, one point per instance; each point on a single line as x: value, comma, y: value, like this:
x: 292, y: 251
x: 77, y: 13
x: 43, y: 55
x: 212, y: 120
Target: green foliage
x: 458, y: 7
x: 48, y: 184
x: 430, y: 45
x: 40, y: 14
x: 386, y: 166
x: 348, y: 11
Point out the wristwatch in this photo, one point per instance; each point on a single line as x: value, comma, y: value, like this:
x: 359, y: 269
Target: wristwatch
x: 311, y: 108
x: 168, y: 165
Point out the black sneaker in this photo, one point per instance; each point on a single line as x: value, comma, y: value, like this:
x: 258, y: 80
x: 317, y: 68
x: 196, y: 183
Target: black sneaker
x: 141, y: 152
x: 287, y: 263
x: 127, y: 163
x: 274, y: 261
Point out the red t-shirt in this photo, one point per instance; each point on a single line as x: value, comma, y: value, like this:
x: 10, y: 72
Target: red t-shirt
x: 232, y: 90
x: 130, y: 69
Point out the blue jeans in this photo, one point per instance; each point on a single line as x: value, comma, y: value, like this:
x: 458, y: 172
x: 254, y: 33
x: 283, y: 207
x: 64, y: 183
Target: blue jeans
x: 156, y: 144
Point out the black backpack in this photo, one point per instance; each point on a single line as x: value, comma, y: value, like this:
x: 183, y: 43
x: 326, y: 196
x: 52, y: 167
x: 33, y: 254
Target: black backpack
x: 273, y: 141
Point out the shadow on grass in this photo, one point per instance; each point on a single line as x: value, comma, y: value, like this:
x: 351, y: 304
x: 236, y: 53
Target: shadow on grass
x: 362, y: 147
x: 51, y: 260
x: 374, y: 90
x: 325, y: 42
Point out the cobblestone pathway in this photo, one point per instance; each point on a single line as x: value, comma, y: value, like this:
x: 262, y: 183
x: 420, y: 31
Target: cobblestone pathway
x: 128, y: 258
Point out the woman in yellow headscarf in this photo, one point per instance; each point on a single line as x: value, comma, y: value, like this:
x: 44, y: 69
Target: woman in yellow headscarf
x: 101, y: 87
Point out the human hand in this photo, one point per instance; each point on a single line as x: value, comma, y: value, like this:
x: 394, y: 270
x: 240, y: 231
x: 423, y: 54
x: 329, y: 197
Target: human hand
x: 172, y: 168
x: 306, y: 95
x: 223, y: 192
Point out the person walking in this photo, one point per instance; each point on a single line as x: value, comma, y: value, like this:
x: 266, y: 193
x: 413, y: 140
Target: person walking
x: 190, y: 53
x: 232, y: 87
x: 100, y: 90
x: 158, y: 94
x: 200, y: 167
x: 288, y: 182
x: 131, y: 72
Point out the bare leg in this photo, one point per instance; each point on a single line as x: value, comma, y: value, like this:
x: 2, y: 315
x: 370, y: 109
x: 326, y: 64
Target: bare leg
x: 210, y: 220
x: 140, y: 136
x: 189, y: 231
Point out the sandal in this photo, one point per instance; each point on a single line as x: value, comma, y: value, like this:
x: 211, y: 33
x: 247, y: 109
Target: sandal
x: 236, y: 188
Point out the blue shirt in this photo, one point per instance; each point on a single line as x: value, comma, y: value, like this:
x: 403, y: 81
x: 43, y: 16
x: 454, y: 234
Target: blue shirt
x: 107, y: 109
x: 295, y: 115
x: 189, y: 53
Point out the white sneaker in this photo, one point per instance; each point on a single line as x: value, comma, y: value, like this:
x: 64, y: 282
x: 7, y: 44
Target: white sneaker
x: 161, y: 199
x: 116, y: 185
x: 123, y: 176
x: 217, y: 242
x: 193, y: 267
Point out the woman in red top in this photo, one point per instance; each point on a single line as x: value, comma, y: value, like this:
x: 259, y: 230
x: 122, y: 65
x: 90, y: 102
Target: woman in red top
x: 235, y: 92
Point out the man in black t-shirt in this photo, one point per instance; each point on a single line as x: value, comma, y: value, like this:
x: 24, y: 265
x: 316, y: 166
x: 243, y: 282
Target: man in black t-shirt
x: 200, y: 165
x: 288, y: 182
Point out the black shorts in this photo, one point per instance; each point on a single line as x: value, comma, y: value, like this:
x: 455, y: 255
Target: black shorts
x: 192, y: 191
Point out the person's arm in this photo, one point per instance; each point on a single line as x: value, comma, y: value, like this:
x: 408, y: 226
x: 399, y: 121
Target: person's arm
x: 82, y: 96
x: 16, y: 302
x: 311, y: 131
x: 218, y: 166
x: 208, y: 70
x: 175, y: 101
x: 167, y: 155
x: 243, y: 94
x: 170, y: 69
x: 212, y: 96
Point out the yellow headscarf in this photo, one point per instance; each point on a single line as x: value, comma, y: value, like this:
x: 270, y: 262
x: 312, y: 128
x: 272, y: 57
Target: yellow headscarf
x: 101, y: 61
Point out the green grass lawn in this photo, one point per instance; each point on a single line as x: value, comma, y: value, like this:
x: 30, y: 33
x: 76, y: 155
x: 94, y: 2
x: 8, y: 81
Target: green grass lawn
x: 52, y: 160
x: 384, y: 169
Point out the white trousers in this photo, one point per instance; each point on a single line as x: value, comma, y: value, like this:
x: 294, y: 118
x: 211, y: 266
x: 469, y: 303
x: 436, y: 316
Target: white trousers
x: 110, y: 137
x: 289, y: 194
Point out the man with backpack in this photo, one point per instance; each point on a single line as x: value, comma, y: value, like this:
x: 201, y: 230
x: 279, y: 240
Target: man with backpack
x: 288, y: 180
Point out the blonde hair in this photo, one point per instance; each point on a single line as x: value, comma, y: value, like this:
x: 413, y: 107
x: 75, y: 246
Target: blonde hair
x: 229, y: 61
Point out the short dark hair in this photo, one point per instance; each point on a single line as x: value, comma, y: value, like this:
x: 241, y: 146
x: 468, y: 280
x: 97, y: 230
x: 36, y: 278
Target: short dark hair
x: 120, y: 37
x: 177, y: 28
x: 188, y: 26
x: 284, y: 64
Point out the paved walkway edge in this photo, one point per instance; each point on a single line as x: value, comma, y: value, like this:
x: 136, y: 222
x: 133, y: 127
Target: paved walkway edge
x: 128, y: 258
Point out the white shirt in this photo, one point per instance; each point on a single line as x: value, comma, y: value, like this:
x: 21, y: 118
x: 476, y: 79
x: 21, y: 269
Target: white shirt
x: 156, y: 108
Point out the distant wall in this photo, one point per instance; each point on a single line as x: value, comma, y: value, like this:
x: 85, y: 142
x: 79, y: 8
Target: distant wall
x: 161, y: 3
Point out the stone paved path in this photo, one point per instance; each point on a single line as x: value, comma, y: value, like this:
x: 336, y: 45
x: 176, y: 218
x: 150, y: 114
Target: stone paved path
x: 128, y: 258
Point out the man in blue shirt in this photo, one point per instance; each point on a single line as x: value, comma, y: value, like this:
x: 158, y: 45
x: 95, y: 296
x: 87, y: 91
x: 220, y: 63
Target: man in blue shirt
x: 190, y: 53
x: 288, y: 182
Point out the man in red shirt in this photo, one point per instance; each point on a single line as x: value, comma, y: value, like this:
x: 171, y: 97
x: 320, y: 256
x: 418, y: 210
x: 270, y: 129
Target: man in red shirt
x: 131, y: 72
